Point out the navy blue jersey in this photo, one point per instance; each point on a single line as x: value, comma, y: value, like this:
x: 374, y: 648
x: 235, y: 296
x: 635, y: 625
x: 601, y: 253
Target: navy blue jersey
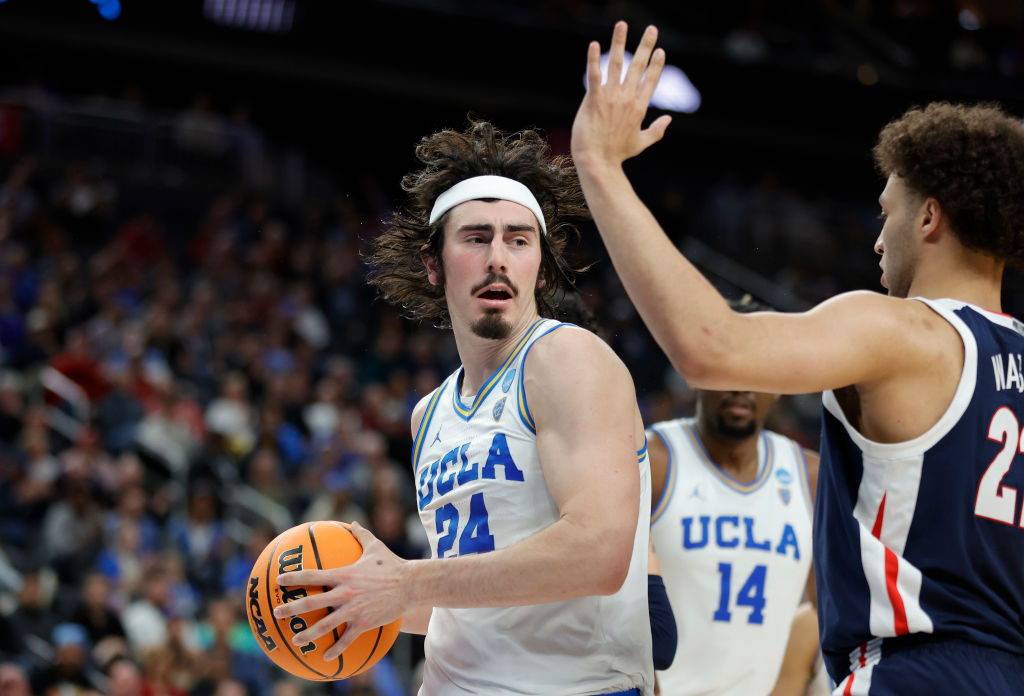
x: 922, y: 541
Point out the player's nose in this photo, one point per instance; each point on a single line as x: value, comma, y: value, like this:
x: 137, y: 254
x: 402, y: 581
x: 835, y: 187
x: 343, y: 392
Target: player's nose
x: 497, y: 258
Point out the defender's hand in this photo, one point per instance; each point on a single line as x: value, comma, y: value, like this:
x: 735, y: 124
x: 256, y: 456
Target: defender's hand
x: 608, y: 127
x: 364, y: 595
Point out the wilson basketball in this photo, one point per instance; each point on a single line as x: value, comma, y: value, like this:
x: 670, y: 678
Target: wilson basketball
x: 303, y: 547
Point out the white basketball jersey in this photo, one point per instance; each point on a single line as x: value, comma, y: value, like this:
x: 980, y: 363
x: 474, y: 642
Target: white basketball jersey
x: 480, y: 487
x: 735, y: 559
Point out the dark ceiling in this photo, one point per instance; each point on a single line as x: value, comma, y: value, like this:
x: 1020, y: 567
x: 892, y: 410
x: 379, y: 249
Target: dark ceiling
x: 364, y: 77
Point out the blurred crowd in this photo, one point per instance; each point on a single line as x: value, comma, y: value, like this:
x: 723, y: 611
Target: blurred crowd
x: 176, y: 389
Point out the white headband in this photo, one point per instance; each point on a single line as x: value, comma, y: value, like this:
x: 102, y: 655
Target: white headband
x: 488, y: 186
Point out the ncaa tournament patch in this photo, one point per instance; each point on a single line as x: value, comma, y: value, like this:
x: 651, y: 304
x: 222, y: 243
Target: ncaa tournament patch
x: 506, y: 382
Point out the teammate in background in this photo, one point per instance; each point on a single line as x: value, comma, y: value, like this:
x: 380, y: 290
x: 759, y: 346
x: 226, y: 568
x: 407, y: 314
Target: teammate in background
x: 918, y: 532
x: 530, y: 462
x: 802, y: 672
x: 731, y: 514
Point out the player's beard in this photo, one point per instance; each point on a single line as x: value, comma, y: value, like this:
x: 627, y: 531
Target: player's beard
x: 735, y: 432
x: 492, y: 325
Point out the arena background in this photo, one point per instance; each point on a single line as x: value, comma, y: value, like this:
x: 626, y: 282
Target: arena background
x: 191, y: 360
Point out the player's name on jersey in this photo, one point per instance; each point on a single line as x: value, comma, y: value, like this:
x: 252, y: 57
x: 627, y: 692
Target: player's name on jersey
x: 734, y: 531
x: 1008, y: 371
x: 461, y: 465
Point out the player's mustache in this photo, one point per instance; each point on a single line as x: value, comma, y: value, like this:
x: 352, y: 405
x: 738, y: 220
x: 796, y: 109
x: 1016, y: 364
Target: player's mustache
x: 493, y: 279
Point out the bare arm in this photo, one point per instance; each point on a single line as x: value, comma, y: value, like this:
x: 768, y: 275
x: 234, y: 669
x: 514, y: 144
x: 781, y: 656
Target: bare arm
x: 585, y: 413
x: 852, y: 339
x: 813, y: 459
x: 801, y: 651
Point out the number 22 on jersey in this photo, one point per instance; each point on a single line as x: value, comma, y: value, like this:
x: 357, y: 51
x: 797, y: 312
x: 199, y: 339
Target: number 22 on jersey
x: 995, y: 501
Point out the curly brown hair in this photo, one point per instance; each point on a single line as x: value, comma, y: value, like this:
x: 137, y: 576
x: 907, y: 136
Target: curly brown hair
x: 970, y: 159
x: 397, y: 270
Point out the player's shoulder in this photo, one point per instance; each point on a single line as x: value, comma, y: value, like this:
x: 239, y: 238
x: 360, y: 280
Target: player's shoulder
x: 870, y: 305
x: 906, y: 315
x: 567, y: 348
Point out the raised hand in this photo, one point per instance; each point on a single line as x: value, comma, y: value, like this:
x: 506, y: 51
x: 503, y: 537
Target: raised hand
x: 608, y: 127
x: 364, y: 595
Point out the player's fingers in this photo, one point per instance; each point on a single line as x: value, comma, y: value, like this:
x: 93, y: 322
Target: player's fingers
x: 311, y: 576
x: 321, y: 627
x: 642, y: 56
x: 616, y: 52
x: 593, y: 66
x: 305, y: 604
x: 656, y: 131
x: 345, y: 639
x: 362, y: 535
x: 650, y: 82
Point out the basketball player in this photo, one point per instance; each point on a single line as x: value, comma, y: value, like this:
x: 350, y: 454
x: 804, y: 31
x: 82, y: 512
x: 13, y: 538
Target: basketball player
x: 530, y: 462
x: 918, y: 535
x: 731, y: 520
x: 802, y: 672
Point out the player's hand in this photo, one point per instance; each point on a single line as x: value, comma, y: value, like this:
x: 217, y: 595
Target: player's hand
x: 608, y: 127
x: 364, y: 595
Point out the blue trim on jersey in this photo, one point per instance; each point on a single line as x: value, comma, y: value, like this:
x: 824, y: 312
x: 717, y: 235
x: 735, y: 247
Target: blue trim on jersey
x: 670, y: 482
x: 744, y: 488
x: 643, y: 450
x: 428, y: 415
x: 467, y: 413
x: 524, y: 409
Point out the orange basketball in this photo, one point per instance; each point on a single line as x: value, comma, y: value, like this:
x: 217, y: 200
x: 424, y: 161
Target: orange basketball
x: 305, y: 546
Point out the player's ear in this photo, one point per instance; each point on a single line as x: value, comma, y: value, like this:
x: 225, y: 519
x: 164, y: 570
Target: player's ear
x: 930, y: 216
x: 435, y: 272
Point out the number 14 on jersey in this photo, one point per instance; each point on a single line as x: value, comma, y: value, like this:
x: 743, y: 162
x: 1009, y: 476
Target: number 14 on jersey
x: 751, y: 594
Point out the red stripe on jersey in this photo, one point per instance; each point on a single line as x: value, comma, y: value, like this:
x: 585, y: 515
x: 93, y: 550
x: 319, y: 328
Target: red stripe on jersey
x: 892, y: 567
x: 849, y: 686
x: 876, y: 531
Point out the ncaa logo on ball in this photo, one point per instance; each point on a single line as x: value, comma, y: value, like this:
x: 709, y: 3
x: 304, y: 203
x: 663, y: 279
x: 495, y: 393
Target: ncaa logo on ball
x: 257, y: 616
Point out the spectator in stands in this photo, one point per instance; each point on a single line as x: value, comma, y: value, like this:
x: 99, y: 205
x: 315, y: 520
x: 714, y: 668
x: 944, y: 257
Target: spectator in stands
x: 14, y: 680
x: 124, y: 678
x: 70, y: 673
x: 94, y: 612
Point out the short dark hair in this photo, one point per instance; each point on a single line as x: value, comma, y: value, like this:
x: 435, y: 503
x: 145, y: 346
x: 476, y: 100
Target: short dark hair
x: 397, y: 270
x: 970, y: 159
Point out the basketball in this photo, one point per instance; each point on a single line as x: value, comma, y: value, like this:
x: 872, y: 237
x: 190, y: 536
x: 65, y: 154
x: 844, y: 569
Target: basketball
x: 306, y: 546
